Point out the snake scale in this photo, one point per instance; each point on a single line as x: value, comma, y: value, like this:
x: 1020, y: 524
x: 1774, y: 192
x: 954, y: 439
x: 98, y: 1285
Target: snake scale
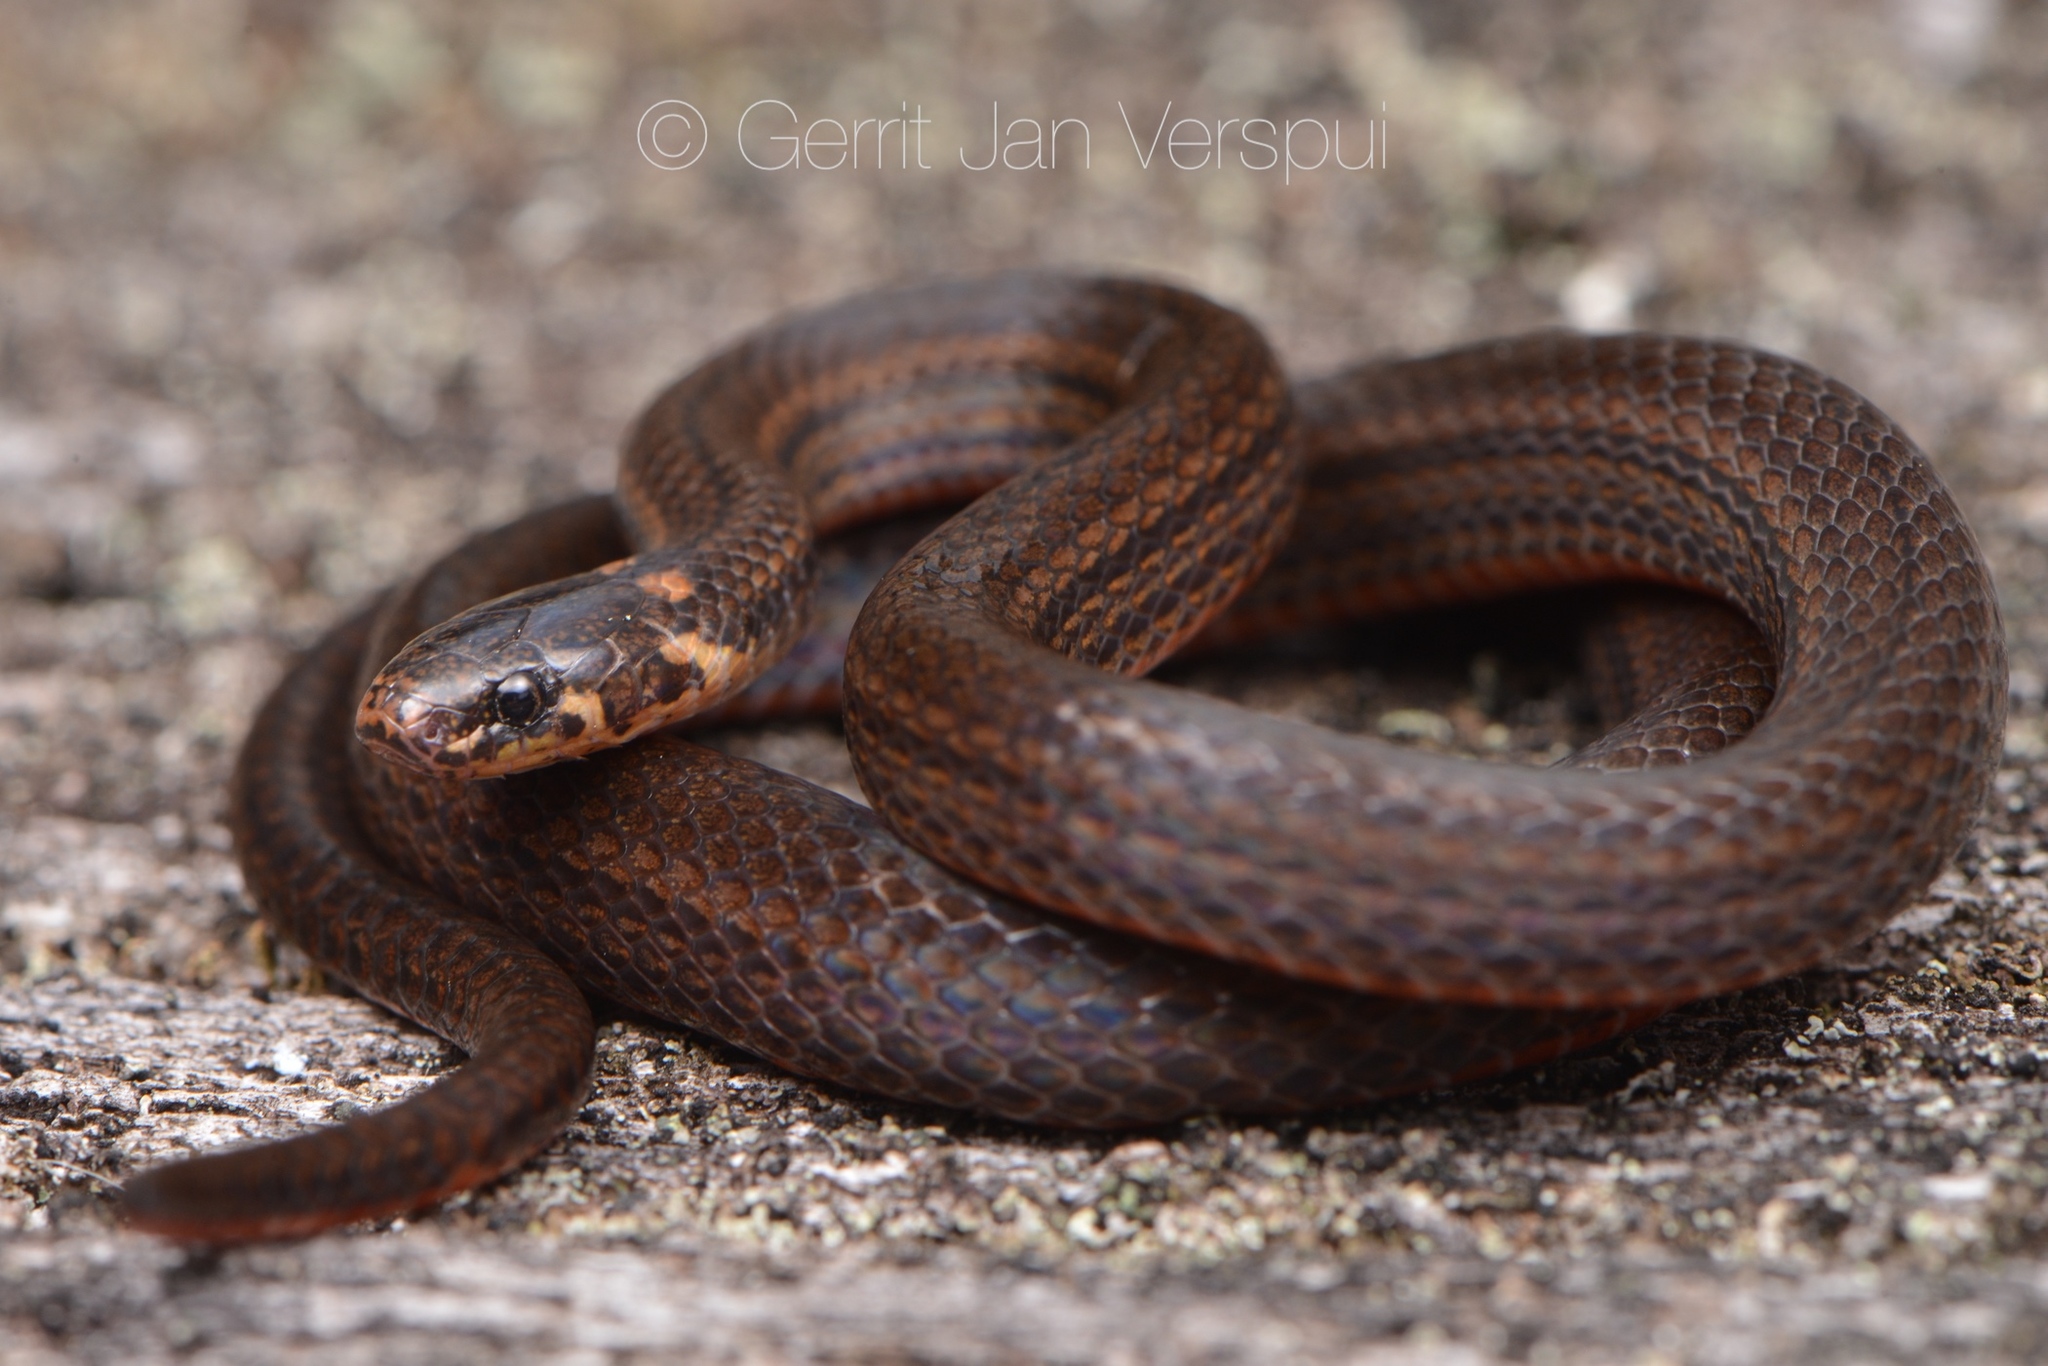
x: 1082, y: 898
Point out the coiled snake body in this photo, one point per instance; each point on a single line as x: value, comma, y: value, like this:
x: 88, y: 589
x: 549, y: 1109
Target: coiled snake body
x: 1175, y: 905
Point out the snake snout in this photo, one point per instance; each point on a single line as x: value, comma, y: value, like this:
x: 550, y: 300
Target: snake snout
x: 503, y: 720
x: 418, y: 732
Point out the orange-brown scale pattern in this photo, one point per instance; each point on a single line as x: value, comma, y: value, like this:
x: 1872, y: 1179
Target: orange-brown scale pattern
x: 1344, y: 860
x: 1528, y: 911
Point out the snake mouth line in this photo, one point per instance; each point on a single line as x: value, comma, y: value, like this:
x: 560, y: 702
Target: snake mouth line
x: 431, y: 738
x: 446, y: 742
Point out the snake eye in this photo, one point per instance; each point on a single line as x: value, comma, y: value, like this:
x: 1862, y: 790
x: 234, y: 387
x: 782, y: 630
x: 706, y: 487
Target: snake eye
x: 516, y: 700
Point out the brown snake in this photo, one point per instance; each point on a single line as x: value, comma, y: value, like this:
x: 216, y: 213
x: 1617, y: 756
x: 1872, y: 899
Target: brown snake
x: 1495, y: 915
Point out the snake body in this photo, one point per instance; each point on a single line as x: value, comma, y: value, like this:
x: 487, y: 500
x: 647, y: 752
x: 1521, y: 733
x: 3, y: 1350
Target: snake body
x: 1174, y: 905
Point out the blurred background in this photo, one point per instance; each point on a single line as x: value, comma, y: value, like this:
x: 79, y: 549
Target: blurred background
x: 293, y: 294
x: 292, y: 291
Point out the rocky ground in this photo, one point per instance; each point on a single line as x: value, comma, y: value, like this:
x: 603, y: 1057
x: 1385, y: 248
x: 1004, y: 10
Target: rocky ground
x: 293, y: 295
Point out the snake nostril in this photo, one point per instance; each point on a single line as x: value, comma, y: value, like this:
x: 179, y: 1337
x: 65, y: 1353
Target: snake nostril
x: 516, y: 700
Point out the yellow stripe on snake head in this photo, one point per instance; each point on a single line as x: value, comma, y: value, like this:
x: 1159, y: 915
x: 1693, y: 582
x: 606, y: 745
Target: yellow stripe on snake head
x: 671, y: 584
x: 586, y: 706
x: 716, y: 665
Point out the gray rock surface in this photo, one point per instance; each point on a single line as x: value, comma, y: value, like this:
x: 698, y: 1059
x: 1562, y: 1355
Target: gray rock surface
x: 293, y: 295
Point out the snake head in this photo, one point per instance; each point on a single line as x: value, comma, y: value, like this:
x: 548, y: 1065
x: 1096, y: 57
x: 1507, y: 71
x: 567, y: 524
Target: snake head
x: 488, y: 722
x: 564, y: 669
x: 526, y: 680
